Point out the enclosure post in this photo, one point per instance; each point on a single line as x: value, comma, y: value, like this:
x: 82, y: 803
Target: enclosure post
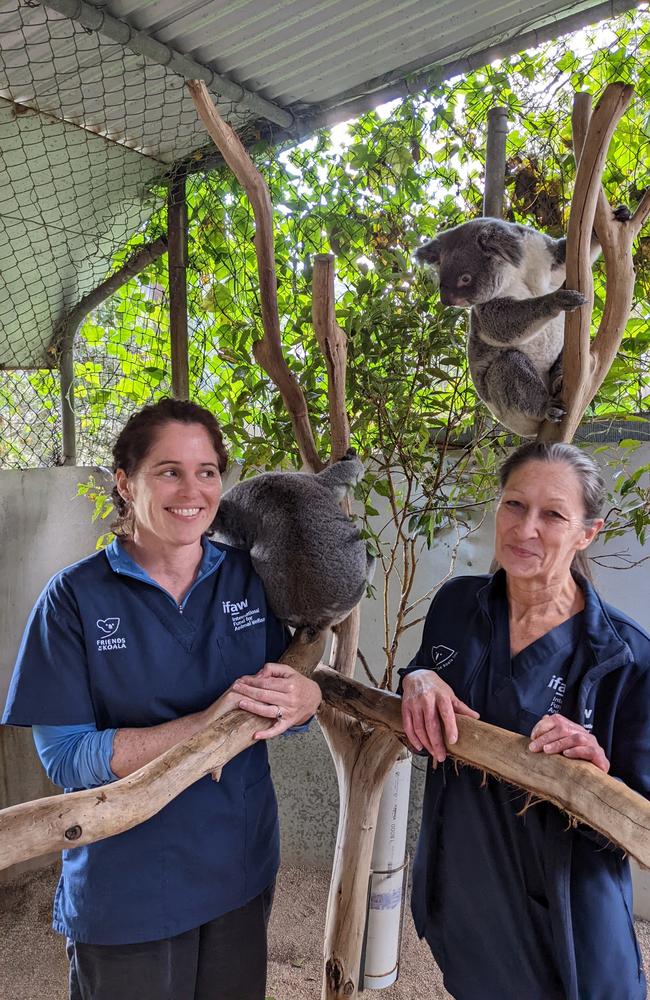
x: 495, y: 163
x: 66, y: 373
x: 177, y: 265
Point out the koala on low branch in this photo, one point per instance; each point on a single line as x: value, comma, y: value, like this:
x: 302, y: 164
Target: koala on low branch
x: 309, y: 555
x: 510, y: 276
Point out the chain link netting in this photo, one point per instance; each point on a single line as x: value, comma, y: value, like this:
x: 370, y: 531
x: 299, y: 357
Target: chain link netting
x: 90, y: 135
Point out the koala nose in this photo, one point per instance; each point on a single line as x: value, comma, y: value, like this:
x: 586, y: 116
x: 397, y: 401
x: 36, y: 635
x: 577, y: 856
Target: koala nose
x: 449, y: 298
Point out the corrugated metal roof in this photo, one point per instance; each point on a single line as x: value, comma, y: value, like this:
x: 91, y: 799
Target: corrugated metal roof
x: 89, y: 123
x: 306, y: 52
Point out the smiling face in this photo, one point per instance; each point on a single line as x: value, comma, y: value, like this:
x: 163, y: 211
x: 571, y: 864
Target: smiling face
x: 174, y: 492
x: 540, y: 522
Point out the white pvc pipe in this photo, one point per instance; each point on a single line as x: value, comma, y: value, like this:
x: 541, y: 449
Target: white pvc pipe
x: 387, y: 883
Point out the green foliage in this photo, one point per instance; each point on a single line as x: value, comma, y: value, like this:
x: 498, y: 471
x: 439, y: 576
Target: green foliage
x: 100, y: 498
x: 369, y: 196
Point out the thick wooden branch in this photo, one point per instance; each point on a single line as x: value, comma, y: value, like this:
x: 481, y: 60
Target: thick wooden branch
x: 363, y: 758
x: 641, y: 215
x: 580, y: 789
x: 585, y: 793
x: 31, y: 829
x: 268, y: 352
x: 587, y: 361
x: 581, y: 381
x: 333, y: 344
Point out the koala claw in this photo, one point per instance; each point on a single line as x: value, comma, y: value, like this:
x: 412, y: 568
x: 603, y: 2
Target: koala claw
x: 568, y: 299
x: 555, y: 411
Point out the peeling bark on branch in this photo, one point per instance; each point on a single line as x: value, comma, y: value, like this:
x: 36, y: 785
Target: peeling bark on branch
x: 578, y: 788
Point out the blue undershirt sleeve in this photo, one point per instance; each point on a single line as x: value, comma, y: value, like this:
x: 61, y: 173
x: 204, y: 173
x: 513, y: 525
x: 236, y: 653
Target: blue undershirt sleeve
x: 75, y: 756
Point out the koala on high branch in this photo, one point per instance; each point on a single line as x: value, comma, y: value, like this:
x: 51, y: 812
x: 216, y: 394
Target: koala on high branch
x: 511, y: 277
x: 309, y: 555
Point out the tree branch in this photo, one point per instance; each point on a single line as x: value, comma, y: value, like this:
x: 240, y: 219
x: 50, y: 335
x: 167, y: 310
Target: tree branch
x: 587, y: 362
x: 333, y: 344
x: 268, y: 351
x: 580, y: 789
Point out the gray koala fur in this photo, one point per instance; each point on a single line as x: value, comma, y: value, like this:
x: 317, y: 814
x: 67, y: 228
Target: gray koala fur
x: 307, y: 552
x: 510, y: 277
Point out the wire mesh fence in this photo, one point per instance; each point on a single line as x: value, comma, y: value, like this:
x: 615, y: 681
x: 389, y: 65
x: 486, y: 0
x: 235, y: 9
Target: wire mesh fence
x: 90, y: 134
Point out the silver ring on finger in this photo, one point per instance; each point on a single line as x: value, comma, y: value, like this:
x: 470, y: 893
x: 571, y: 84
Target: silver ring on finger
x: 278, y: 714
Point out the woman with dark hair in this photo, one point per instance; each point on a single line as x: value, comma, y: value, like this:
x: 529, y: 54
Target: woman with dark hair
x: 515, y: 903
x: 126, y: 654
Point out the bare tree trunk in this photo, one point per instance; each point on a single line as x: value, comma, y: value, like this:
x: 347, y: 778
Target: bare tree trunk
x: 586, y: 362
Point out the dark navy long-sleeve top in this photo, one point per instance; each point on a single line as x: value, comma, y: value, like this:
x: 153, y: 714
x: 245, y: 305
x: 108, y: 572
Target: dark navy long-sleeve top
x: 513, y: 902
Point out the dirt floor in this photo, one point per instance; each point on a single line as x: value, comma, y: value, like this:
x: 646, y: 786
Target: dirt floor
x: 33, y: 965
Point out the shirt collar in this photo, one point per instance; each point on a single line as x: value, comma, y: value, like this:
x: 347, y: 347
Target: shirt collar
x: 121, y: 562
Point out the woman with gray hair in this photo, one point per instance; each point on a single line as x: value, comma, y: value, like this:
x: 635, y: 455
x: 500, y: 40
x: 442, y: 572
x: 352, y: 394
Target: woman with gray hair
x: 515, y: 903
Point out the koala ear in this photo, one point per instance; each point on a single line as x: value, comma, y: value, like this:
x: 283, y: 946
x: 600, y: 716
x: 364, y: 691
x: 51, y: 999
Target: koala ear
x: 495, y: 240
x: 428, y: 253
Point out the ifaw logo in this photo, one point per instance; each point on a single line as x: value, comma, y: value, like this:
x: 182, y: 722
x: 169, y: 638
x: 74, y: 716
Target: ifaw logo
x: 234, y: 607
x: 241, y: 615
x: 108, y: 626
x: 441, y: 656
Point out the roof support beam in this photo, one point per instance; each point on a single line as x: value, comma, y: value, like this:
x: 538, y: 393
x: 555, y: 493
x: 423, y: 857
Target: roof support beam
x: 96, y: 19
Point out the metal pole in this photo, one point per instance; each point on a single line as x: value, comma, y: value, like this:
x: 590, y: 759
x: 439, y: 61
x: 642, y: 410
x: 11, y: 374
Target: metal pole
x: 495, y: 162
x: 67, y: 331
x: 177, y: 265
x: 66, y: 373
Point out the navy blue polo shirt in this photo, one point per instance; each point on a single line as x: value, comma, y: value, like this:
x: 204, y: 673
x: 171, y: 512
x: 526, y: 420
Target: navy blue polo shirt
x: 106, y: 645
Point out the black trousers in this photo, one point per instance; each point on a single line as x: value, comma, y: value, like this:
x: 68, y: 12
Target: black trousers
x: 224, y: 959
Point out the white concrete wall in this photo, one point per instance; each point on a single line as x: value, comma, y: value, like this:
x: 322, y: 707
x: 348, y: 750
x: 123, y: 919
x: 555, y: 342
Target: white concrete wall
x: 45, y: 526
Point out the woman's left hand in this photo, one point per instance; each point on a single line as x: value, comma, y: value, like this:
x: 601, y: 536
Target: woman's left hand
x: 556, y: 734
x: 279, y: 693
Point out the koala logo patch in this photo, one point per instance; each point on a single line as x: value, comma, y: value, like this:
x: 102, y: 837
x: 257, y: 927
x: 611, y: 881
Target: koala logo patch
x: 108, y: 626
x: 441, y: 656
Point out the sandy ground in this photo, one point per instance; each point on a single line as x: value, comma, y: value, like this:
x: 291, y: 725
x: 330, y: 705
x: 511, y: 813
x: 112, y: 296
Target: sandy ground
x: 33, y: 964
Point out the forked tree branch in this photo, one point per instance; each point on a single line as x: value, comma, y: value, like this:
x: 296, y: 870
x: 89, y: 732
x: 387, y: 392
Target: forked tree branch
x: 586, y: 361
x: 268, y: 351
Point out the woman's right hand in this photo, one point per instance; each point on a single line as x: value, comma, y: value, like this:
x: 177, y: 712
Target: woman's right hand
x: 429, y: 710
